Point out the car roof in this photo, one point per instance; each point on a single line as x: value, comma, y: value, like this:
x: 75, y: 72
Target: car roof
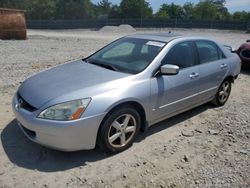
x: 165, y: 36
x: 160, y: 36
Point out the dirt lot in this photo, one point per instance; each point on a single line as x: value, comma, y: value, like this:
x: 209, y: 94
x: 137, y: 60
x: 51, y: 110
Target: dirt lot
x: 204, y: 147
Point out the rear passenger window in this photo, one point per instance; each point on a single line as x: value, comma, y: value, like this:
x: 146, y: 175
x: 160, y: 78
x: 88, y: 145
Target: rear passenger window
x: 181, y: 54
x: 208, y: 51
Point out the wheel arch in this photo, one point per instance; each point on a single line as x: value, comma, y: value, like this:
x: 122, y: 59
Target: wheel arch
x: 230, y: 78
x: 130, y: 103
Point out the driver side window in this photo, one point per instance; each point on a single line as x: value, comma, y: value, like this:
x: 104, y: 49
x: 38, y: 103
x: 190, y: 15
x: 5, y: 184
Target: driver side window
x: 181, y: 54
x: 123, y: 49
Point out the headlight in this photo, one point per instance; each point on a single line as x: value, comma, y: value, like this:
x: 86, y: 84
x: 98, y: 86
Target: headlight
x: 71, y: 110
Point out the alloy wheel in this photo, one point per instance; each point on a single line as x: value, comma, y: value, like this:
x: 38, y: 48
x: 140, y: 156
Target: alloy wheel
x: 122, y: 130
x: 224, y: 92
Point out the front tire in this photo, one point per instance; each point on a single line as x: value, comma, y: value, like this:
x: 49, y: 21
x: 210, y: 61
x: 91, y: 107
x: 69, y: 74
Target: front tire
x: 223, y: 93
x: 119, y: 130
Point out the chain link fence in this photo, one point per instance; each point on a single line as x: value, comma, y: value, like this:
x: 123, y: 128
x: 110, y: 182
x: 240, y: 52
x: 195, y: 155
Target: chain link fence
x: 138, y: 23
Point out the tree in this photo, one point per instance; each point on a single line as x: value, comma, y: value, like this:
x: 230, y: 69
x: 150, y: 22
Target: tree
x: 211, y: 10
x: 241, y: 16
x: 162, y: 14
x: 103, y: 8
x: 205, y: 10
x: 188, y: 9
x: 135, y: 9
x: 171, y: 11
x: 40, y: 9
x: 16, y: 4
x: 74, y: 9
x: 52, y: 9
x: 224, y: 14
x: 115, y: 12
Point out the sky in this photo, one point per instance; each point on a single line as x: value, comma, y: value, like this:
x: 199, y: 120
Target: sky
x: 232, y: 5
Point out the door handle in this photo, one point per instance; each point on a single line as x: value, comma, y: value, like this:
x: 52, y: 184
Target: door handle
x: 224, y: 65
x: 194, y: 75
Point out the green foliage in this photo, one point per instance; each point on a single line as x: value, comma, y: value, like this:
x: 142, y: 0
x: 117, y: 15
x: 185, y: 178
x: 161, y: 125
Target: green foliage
x: 135, y: 9
x: 211, y: 10
x: 16, y: 4
x: 162, y: 14
x: 84, y: 9
x: 205, y: 10
x: 241, y: 16
x: 40, y: 9
x: 74, y: 9
x: 103, y: 9
x: 171, y: 11
x: 115, y: 12
x: 188, y: 9
x: 104, y: 6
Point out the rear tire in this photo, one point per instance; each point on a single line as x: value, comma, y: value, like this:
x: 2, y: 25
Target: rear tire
x: 223, y: 93
x: 119, y: 130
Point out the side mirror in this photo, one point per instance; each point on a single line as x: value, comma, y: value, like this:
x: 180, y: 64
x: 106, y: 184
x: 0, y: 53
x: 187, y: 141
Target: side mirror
x: 247, y: 40
x: 230, y: 48
x: 169, y: 69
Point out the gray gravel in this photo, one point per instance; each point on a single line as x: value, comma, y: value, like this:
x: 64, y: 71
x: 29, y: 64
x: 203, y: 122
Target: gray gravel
x: 20, y: 59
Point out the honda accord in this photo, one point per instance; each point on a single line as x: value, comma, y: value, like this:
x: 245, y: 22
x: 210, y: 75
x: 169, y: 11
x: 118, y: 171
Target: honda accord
x: 107, y: 98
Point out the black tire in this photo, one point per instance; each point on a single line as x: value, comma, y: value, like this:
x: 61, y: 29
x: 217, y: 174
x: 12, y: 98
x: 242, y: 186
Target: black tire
x: 220, y: 99
x: 107, y: 129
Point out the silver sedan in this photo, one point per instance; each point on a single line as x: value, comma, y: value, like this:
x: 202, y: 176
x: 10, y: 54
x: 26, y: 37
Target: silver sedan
x: 107, y: 98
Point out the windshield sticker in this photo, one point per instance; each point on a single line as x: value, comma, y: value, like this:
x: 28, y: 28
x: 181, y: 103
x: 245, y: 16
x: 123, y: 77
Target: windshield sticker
x: 154, y: 43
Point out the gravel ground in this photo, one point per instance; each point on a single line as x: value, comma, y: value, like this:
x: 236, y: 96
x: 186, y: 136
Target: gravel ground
x: 204, y: 147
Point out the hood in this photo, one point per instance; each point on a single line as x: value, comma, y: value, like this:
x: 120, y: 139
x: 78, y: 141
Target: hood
x: 63, y: 80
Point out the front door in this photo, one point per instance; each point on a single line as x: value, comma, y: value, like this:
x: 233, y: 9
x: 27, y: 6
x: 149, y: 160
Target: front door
x: 173, y: 93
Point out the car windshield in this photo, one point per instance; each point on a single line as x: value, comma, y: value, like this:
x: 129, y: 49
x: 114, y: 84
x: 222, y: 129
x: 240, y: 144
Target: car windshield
x: 130, y: 55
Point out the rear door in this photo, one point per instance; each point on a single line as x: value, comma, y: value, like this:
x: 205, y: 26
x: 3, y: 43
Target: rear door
x: 213, y: 68
x: 173, y: 93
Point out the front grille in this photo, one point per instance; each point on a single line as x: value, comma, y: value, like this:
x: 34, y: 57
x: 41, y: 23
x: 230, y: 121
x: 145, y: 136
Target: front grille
x: 24, y: 104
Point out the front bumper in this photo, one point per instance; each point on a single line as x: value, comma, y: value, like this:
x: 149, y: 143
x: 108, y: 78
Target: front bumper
x: 61, y: 135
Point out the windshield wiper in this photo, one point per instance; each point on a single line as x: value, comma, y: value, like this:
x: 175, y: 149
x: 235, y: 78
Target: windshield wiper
x: 104, y: 65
